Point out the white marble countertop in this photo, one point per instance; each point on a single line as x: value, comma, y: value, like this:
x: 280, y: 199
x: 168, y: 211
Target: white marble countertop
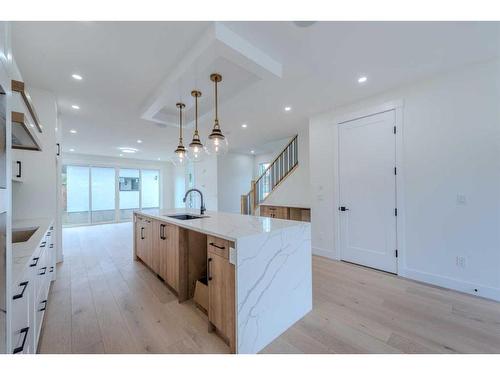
x: 23, y: 251
x: 222, y: 224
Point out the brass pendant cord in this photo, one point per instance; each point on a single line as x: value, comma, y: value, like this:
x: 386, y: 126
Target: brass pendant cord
x: 216, y: 106
x: 196, y: 115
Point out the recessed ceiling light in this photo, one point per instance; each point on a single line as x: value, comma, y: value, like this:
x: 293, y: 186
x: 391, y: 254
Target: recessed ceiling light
x: 139, y: 141
x: 74, y: 106
x: 72, y: 149
x: 121, y: 154
x: 78, y: 77
x: 159, y: 158
x: 128, y: 150
x: 243, y: 125
x: 252, y: 151
x: 73, y: 131
x: 362, y: 79
x: 288, y: 109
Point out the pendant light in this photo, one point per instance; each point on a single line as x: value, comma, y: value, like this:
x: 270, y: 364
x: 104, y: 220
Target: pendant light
x: 216, y: 142
x: 180, y: 157
x: 196, y: 151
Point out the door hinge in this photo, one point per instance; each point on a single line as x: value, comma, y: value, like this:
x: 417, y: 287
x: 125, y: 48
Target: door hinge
x: 395, y: 171
x: 395, y: 212
x: 396, y: 253
x: 394, y: 129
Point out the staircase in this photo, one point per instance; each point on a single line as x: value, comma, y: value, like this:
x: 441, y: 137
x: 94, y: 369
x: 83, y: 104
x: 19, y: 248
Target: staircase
x: 284, y: 164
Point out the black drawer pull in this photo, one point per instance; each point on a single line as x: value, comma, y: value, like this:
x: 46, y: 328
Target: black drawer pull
x: 24, y: 284
x: 19, y: 169
x: 44, y: 271
x: 209, y: 269
x: 51, y: 227
x: 51, y: 246
x: 43, y: 244
x: 20, y: 349
x: 44, y: 305
x: 35, y: 262
x: 142, y: 233
x: 162, y: 232
x: 217, y: 246
x: 51, y: 269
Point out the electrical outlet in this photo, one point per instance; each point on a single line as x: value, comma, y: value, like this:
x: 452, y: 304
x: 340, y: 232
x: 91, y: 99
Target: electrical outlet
x: 460, y: 261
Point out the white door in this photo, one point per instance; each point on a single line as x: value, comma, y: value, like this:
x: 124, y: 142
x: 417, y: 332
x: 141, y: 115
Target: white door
x: 367, y: 159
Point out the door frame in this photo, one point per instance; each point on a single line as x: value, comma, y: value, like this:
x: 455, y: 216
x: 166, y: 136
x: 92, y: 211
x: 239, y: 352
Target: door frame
x: 396, y: 106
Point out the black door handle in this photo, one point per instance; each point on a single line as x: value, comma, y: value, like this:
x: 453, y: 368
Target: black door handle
x: 44, y: 305
x: 217, y: 246
x: 142, y: 233
x: 24, y: 284
x: 44, y: 271
x: 342, y: 208
x: 209, y: 269
x: 19, y: 169
x: 58, y: 149
x: 162, y: 232
x: 51, y: 269
x: 35, y: 262
x: 19, y: 349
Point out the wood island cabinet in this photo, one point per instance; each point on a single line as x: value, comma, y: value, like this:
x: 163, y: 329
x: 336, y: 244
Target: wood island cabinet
x: 221, y: 290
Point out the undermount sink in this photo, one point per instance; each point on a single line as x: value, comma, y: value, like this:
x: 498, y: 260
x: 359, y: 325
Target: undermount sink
x: 22, y: 235
x: 185, y: 217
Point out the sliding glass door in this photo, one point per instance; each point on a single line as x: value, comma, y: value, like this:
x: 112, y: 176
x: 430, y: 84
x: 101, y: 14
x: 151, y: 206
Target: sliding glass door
x: 102, y: 194
x: 130, y: 198
x: 93, y: 195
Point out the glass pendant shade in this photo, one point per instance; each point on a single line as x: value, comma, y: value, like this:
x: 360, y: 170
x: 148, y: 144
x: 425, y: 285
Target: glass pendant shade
x: 216, y: 143
x: 196, y: 151
x: 180, y: 153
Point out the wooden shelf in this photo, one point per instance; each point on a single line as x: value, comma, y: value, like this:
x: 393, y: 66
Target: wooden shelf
x: 20, y: 118
x: 18, y: 86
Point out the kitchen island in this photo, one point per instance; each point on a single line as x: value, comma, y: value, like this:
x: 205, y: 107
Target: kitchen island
x: 258, y: 269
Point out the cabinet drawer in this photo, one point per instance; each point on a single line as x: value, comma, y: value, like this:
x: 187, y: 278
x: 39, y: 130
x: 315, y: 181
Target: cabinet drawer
x: 22, y: 325
x: 218, y: 246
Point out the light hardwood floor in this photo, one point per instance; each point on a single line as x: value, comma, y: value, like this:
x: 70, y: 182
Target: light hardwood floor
x: 104, y: 302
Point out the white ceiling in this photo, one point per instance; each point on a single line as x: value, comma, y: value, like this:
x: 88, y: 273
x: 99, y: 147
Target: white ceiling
x: 124, y: 63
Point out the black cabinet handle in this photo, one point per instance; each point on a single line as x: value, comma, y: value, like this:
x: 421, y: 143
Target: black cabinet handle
x: 35, y: 262
x: 58, y: 149
x: 142, y: 233
x: 209, y: 269
x: 19, y: 169
x: 44, y: 271
x: 51, y: 269
x: 43, y: 244
x: 24, y: 284
x: 51, y: 246
x: 217, y: 246
x: 44, y: 305
x: 342, y: 208
x: 20, y: 349
x: 162, y: 232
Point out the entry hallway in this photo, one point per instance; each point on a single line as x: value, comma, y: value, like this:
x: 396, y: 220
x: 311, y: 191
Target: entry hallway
x: 104, y: 302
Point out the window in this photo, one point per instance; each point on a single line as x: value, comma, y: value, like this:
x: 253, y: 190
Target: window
x: 107, y: 194
x: 129, y: 197
x: 76, y: 195
x: 102, y: 194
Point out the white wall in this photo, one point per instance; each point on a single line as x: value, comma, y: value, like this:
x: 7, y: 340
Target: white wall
x: 451, y: 136
x: 166, y: 170
x: 233, y: 180
x: 295, y: 189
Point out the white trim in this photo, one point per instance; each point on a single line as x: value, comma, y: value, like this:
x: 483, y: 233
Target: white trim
x: 325, y: 253
x: 397, y: 107
x: 451, y: 283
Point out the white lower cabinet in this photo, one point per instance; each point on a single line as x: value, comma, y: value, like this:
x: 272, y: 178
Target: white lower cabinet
x: 31, y: 297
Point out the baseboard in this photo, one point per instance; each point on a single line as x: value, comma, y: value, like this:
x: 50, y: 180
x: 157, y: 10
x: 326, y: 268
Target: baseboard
x: 450, y: 283
x: 324, y: 253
